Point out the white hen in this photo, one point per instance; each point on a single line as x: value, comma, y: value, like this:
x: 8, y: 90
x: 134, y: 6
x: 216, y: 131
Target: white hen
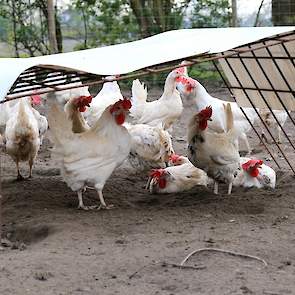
x: 270, y: 121
x: 89, y: 158
x: 253, y: 173
x: 22, y: 135
x: 166, y: 110
x: 176, y: 179
x: 216, y: 153
x: 151, y: 146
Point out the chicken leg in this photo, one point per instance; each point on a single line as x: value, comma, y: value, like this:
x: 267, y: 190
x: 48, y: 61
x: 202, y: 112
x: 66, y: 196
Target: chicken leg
x: 215, y: 187
x: 230, y: 185
x: 103, y: 205
x: 31, y: 161
x: 81, y: 204
x: 19, y: 176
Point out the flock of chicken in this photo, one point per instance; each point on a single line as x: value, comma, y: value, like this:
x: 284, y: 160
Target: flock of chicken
x: 91, y: 137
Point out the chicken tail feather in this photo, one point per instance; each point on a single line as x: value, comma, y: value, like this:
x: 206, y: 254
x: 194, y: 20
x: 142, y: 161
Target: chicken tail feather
x: 229, y: 117
x: 139, y: 97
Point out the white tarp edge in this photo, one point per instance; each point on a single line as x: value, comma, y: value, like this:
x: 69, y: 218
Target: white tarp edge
x: 132, y: 56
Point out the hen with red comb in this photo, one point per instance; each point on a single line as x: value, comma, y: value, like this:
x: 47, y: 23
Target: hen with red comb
x: 175, y: 179
x: 215, y: 153
x: 254, y: 173
x: 89, y: 157
x: 166, y: 110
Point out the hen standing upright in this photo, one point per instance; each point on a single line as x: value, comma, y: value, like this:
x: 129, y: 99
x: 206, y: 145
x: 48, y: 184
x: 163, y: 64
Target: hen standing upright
x: 215, y: 153
x: 166, y: 110
x: 89, y: 158
x: 22, y: 139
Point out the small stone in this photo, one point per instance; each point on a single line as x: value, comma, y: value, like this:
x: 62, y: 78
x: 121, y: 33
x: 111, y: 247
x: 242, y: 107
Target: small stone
x: 43, y: 276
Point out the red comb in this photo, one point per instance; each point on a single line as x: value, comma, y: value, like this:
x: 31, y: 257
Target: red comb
x: 157, y: 173
x: 252, y: 164
x: 189, y: 81
x: 180, y: 70
x: 206, y: 113
x: 82, y: 102
x: 126, y: 103
x: 180, y: 79
x: 174, y: 158
x: 36, y: 99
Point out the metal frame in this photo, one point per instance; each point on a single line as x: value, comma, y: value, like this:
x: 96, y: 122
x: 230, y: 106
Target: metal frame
x: 32, y: 80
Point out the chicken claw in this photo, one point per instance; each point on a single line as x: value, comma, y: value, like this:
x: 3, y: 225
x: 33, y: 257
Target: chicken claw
x: 87, y: 208
x: 20, y: 177
x: 107, y: 207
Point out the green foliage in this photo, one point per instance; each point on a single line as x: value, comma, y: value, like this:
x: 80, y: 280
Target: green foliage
x: 4, y: 28
x: 25, y: 28
x: 210, y: 14
x: 106, y: 22
x: 205, y: 72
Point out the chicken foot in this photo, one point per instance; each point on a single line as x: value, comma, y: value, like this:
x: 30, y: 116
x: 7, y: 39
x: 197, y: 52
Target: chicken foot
x: 81, y: 204
x: 103, y: 205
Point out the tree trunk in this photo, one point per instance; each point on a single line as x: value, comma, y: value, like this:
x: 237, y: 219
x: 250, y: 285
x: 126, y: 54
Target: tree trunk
x: 158, y: 12
x: 138, y: 8
x: 14, y: 29
x: 58, y: 34
x: 85, y: 27
x: 51, y: 27
x: 234, y: 22
x: 283, y: 12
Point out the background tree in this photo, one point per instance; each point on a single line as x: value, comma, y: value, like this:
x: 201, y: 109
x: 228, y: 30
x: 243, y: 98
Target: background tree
x: 25, y: 32
x: 51, y: 27
x: 234, y: 9
x: 210, y: 14
x: 156, y: 16
x: 283, y: 12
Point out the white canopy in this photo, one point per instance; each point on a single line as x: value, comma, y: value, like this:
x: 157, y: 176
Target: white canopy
x: 132, y: 56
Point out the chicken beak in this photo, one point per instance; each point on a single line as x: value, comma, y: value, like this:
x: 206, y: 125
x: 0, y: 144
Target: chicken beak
x: 210, y: 119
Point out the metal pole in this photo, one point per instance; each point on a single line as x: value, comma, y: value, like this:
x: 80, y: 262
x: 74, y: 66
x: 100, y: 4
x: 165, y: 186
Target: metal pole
x: 262, y: 96
x: 279, y: 98
x: 249, y: 121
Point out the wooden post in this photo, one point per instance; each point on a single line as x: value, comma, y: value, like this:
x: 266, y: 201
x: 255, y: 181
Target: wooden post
x: 234, y: 16
x: 51, y: 27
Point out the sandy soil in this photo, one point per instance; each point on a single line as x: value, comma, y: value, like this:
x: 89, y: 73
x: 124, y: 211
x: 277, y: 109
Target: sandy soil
x: 57, y: 249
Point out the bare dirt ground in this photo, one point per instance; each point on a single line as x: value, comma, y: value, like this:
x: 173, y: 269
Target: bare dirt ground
x: 58, y: 249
